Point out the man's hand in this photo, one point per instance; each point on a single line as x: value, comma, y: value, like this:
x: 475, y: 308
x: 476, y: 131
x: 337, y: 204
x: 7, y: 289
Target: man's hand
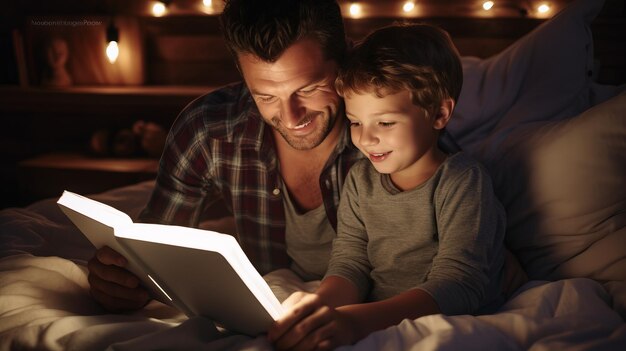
x: 112, y: 286
x: 310, y: 324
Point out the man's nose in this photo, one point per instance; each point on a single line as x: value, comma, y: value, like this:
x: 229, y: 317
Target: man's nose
x: 292, y: 112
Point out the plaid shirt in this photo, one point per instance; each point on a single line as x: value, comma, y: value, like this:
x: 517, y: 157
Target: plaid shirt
x: 220, y: 148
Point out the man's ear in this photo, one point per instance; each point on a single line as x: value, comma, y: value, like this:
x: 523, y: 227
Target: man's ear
x: 443, y: 115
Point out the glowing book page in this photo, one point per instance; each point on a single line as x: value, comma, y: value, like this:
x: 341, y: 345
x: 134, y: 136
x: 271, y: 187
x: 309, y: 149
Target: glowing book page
x: 96, y: 221
x: 201, y: 272
x: 205, y: 273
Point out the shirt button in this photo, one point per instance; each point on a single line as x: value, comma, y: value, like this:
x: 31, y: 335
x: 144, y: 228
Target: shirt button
x: 276, y: 191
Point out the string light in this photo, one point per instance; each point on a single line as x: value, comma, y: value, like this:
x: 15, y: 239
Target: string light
x: 159, y: 8
x: 487, y: 5
x: 408, y: 6
x: 543, y: 8
x: 355, y: 9
x: 209, y: 7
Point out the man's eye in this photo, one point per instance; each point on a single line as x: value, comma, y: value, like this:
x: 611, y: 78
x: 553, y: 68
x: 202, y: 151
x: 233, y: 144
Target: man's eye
x: 265, y: 99
x: 386, y: 124
x: 354, y: 124
x: 307, y: 91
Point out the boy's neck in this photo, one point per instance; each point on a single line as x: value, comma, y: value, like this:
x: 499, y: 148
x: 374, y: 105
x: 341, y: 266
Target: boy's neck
x: 428, y: 164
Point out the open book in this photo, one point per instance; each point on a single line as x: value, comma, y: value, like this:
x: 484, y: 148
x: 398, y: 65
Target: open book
x: 202, y: 273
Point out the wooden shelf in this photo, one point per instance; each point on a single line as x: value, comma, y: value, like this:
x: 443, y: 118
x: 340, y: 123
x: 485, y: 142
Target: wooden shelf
x: 160, y: 101
x: 48, y: 175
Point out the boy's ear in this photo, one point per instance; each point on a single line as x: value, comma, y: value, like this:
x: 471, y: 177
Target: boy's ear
x: 444, y: 113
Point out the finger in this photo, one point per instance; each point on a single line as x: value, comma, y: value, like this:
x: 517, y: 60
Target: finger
x: 326, y: 337
x: 115, y: 304
x: 300, y: 309
x: 138, y: 294
x: 108, y: 256
x: 304, y: 335
x: 326, y: 345
x: 293, y: 299
x: 112, y: 273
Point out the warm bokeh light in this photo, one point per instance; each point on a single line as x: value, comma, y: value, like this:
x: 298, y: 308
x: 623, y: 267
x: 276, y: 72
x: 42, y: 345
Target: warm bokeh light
x: 158, y: 9
x: 408, y: 6
x: 355, y: 9
x: 487, y: 5
x: 112, y: 51
x: 543, y: 8
x: 207, y: 3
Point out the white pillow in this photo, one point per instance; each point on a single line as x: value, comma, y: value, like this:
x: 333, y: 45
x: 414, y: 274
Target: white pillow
x: 545, y: 75
x: 563, y: 185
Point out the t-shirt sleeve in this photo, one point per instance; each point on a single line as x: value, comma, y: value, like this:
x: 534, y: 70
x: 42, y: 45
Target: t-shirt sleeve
x: 470, y: 222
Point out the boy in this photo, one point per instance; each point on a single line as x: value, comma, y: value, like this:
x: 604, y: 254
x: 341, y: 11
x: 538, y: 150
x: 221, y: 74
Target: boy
x: 420, y: 231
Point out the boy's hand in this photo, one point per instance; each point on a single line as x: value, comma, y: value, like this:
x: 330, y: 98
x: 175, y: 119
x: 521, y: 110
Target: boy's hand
x: 112, y: 286
x: 309, y: 324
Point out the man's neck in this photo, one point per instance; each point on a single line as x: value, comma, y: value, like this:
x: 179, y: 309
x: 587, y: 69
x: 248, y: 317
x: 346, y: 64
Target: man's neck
x: 301, y: 169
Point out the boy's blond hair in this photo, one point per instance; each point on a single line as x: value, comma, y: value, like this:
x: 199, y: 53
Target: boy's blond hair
x: 419, y: 58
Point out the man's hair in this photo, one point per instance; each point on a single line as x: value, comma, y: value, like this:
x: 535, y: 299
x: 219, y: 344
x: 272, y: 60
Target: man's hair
x: 266, y: 28
x: 419, y: 58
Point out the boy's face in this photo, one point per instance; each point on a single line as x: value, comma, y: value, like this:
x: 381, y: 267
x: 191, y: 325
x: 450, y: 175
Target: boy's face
x: 296, y: 94
x: 396, y: 135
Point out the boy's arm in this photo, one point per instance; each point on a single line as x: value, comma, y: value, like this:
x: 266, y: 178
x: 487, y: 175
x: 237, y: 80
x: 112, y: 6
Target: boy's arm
x: 465, y: 272
x: 373, y: 316
x: 313, y: 322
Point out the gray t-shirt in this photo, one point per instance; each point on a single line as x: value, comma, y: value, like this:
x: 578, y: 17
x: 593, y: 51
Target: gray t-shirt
x: 444, y: 237
x: 309, y: 238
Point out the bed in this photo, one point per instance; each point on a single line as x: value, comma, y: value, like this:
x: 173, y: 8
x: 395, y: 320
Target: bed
x: 555, y: 144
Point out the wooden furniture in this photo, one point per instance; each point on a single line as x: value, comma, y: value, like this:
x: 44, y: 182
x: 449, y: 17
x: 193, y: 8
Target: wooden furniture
x: 46, y: 132
x: 48, y: 175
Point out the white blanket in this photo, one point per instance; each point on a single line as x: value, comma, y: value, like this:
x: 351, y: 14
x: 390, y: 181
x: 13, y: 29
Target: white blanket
x: 45, y: 304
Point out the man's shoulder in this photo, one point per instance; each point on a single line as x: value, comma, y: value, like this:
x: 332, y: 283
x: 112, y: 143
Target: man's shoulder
x: 222, y: 113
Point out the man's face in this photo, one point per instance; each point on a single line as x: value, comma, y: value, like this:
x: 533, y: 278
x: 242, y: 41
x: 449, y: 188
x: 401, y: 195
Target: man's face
x: 296, y: 94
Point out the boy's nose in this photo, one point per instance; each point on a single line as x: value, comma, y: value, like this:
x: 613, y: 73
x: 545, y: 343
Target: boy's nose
x: 368, y: 138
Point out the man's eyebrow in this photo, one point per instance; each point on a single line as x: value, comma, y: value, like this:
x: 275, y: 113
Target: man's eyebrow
x: 254, y: 92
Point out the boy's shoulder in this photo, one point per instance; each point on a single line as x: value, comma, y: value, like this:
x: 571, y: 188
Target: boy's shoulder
x: 364, y: 176
x: 461, y: 164
x: 363, y: 168
x: 461, y: 161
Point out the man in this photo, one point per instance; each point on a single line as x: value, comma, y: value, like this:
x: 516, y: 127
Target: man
x: 275, y: 150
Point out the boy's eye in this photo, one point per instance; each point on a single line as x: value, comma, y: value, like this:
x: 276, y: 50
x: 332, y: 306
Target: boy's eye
x: 386, y: 124
x: 354, y: 124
